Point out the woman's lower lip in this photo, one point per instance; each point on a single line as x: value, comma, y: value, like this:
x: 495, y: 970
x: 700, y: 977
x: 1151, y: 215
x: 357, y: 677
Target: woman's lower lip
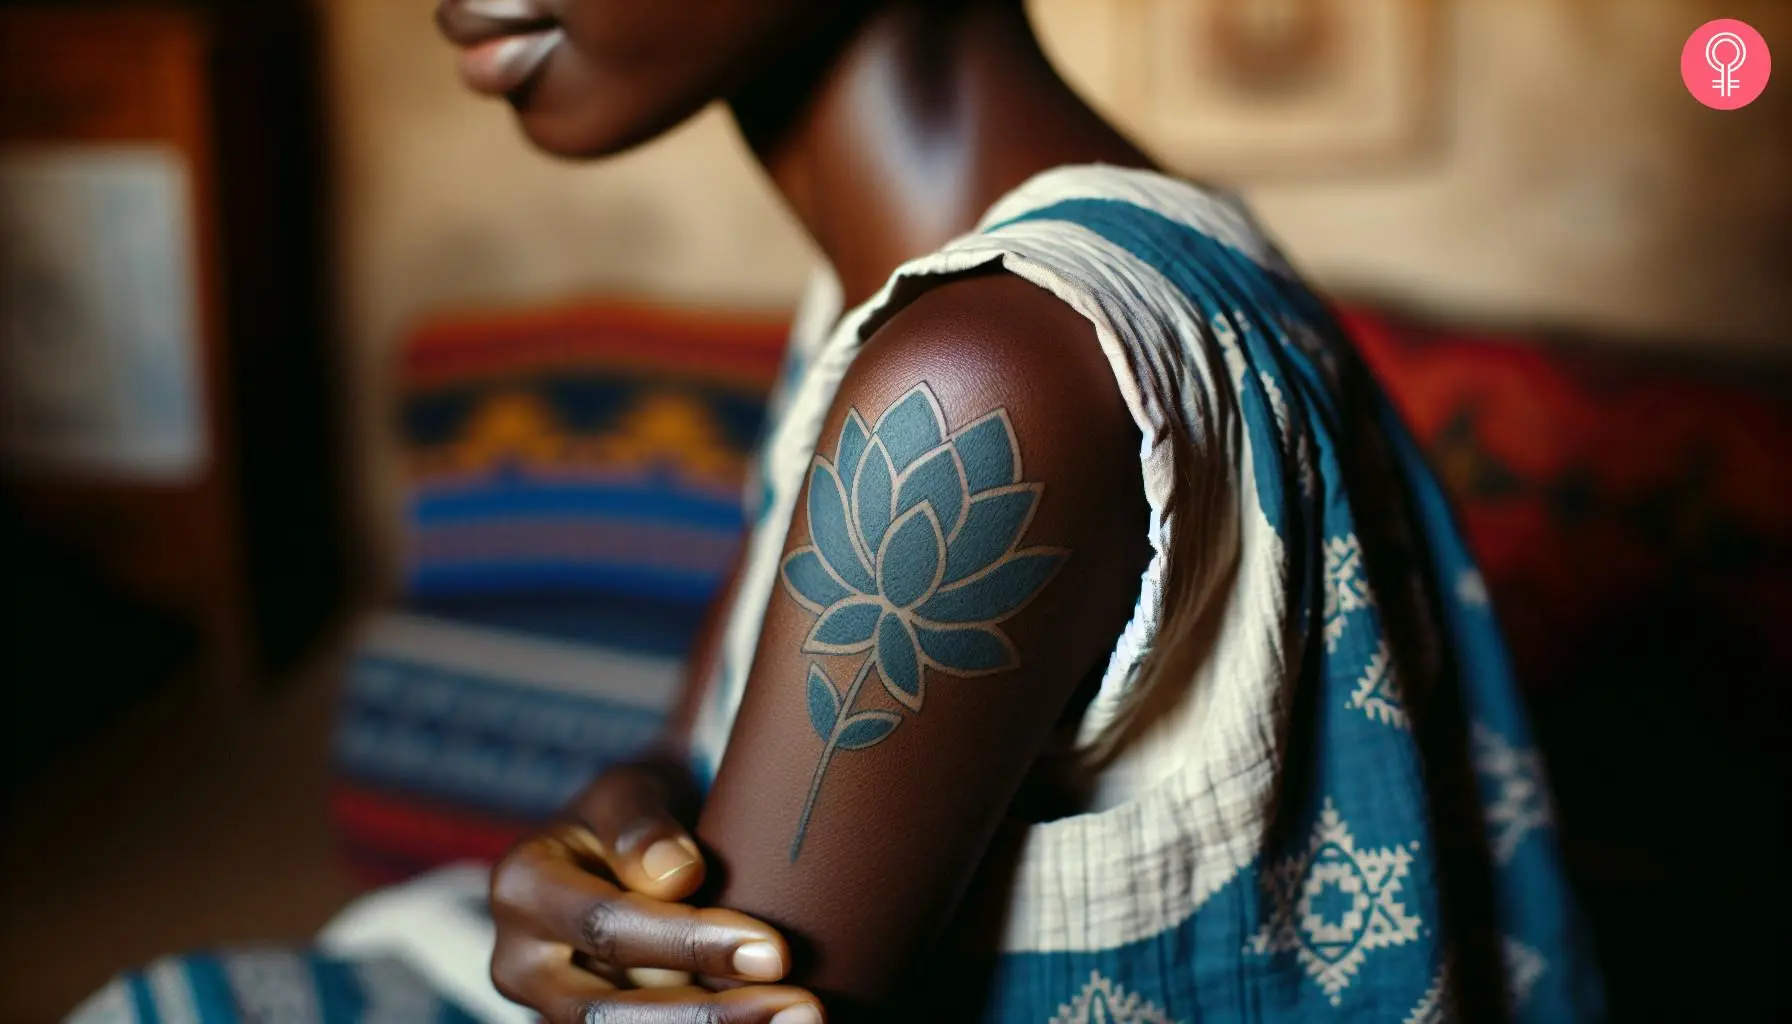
x: 498, y: 67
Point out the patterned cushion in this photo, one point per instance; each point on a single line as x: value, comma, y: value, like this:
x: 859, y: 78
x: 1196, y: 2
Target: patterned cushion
x: 573, y: 497
x: 454, y: 737
x: 598, y: 450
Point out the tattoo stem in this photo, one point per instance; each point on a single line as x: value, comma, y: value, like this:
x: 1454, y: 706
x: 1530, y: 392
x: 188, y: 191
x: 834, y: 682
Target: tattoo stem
x: 827, y: 754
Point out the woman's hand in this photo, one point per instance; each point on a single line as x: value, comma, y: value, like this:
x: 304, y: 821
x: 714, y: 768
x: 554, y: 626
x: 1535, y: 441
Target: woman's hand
x: 590, y: 927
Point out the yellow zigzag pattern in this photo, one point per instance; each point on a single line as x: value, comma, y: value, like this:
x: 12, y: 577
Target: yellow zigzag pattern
x: 662, y: 429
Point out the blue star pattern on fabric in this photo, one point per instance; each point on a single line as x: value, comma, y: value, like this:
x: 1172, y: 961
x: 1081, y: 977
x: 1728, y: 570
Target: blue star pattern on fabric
x: 1378, y: 690
x: 1104, y: 1002
x: 1524, y: 966
x: 1520, y: 803
x: 1334, y: 904
x: 912, y: 559
x: 1346, y: 590
x: 1434, y: 1006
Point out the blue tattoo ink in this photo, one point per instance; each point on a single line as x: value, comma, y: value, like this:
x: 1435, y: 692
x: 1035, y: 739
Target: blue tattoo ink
x: 913, y: 562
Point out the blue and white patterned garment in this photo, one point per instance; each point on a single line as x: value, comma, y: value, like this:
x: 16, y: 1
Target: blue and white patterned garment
x: 1309, y: 721
x: 270, y: 986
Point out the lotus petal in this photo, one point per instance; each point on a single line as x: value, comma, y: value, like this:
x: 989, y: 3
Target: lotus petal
x: 899, y: 662
x: 872, y: 497
x: 912, y: 558
x: 968, y: 650
x: 993, y: 522
x: 832, y: 533
x: 938, y: 480
x: 990, y: 454
x: 810, y: 582
x: 853, y: 436
x: 997, y: 593
x: 846, y: 628
x: 912, y: 427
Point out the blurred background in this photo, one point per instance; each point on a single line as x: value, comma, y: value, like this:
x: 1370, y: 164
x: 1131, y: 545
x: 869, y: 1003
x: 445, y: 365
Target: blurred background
x: 363, y: 473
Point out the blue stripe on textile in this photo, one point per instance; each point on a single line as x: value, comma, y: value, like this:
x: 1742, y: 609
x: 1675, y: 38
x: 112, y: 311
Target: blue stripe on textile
x: 431, y: 581
x: 211, y: 989
x: 634, y: 622
x: 340, y: 998
x: 572, y: 501
x: 476, y: 742
x: 142, y: 1001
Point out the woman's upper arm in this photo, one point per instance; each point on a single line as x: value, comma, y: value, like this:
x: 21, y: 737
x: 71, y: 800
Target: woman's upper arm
x: 967, y: 548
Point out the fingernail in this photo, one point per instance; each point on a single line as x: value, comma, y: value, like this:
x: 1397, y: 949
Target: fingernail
x: 804, y: 1014
x: 761, y: 962
x: 654, y: 977
x: 667, y: 858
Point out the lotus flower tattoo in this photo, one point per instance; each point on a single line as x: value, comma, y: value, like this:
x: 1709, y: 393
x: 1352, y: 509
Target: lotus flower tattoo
x: 913, y: 562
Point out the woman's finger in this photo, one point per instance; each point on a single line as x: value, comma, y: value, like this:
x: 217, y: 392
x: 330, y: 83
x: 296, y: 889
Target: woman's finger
x: 629, y: 811
x: 757, y: 1004
x: 540, y: 975
x: 542, y: 887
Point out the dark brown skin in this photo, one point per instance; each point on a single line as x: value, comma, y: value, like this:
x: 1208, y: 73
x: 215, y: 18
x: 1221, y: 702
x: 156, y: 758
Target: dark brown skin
x: 899, y: 829
x: 889, y: 127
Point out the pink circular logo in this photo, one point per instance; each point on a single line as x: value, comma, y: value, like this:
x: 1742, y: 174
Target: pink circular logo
x: 1726, y: 64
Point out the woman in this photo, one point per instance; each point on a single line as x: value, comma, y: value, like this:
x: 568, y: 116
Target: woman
x: 1102, y: 651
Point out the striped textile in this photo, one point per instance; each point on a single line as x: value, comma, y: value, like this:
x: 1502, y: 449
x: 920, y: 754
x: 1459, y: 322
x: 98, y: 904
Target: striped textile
x: 592, y: 450
x: 271, y: 985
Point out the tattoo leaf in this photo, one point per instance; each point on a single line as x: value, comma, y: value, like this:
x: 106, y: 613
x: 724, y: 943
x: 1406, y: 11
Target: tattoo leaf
x: 868, y: 728
x: 824, y: 702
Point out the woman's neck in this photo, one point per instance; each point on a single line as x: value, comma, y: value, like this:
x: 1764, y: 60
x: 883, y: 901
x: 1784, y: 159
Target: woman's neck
x: 900, y: 130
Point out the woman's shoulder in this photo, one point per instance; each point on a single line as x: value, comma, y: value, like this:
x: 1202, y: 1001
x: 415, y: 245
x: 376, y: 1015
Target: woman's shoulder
x: 995, y: 340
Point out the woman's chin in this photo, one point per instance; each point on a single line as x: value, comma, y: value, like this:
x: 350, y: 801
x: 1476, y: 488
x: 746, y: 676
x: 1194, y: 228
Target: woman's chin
x: 593, y: 132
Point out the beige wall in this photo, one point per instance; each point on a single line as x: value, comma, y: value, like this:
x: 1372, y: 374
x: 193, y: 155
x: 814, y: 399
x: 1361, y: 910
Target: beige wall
x: 1577, y: 181
x: 1574, y: 181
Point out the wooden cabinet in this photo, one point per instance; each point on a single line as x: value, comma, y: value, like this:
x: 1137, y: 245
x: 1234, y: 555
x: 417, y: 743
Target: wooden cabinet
x: 165, y: 363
